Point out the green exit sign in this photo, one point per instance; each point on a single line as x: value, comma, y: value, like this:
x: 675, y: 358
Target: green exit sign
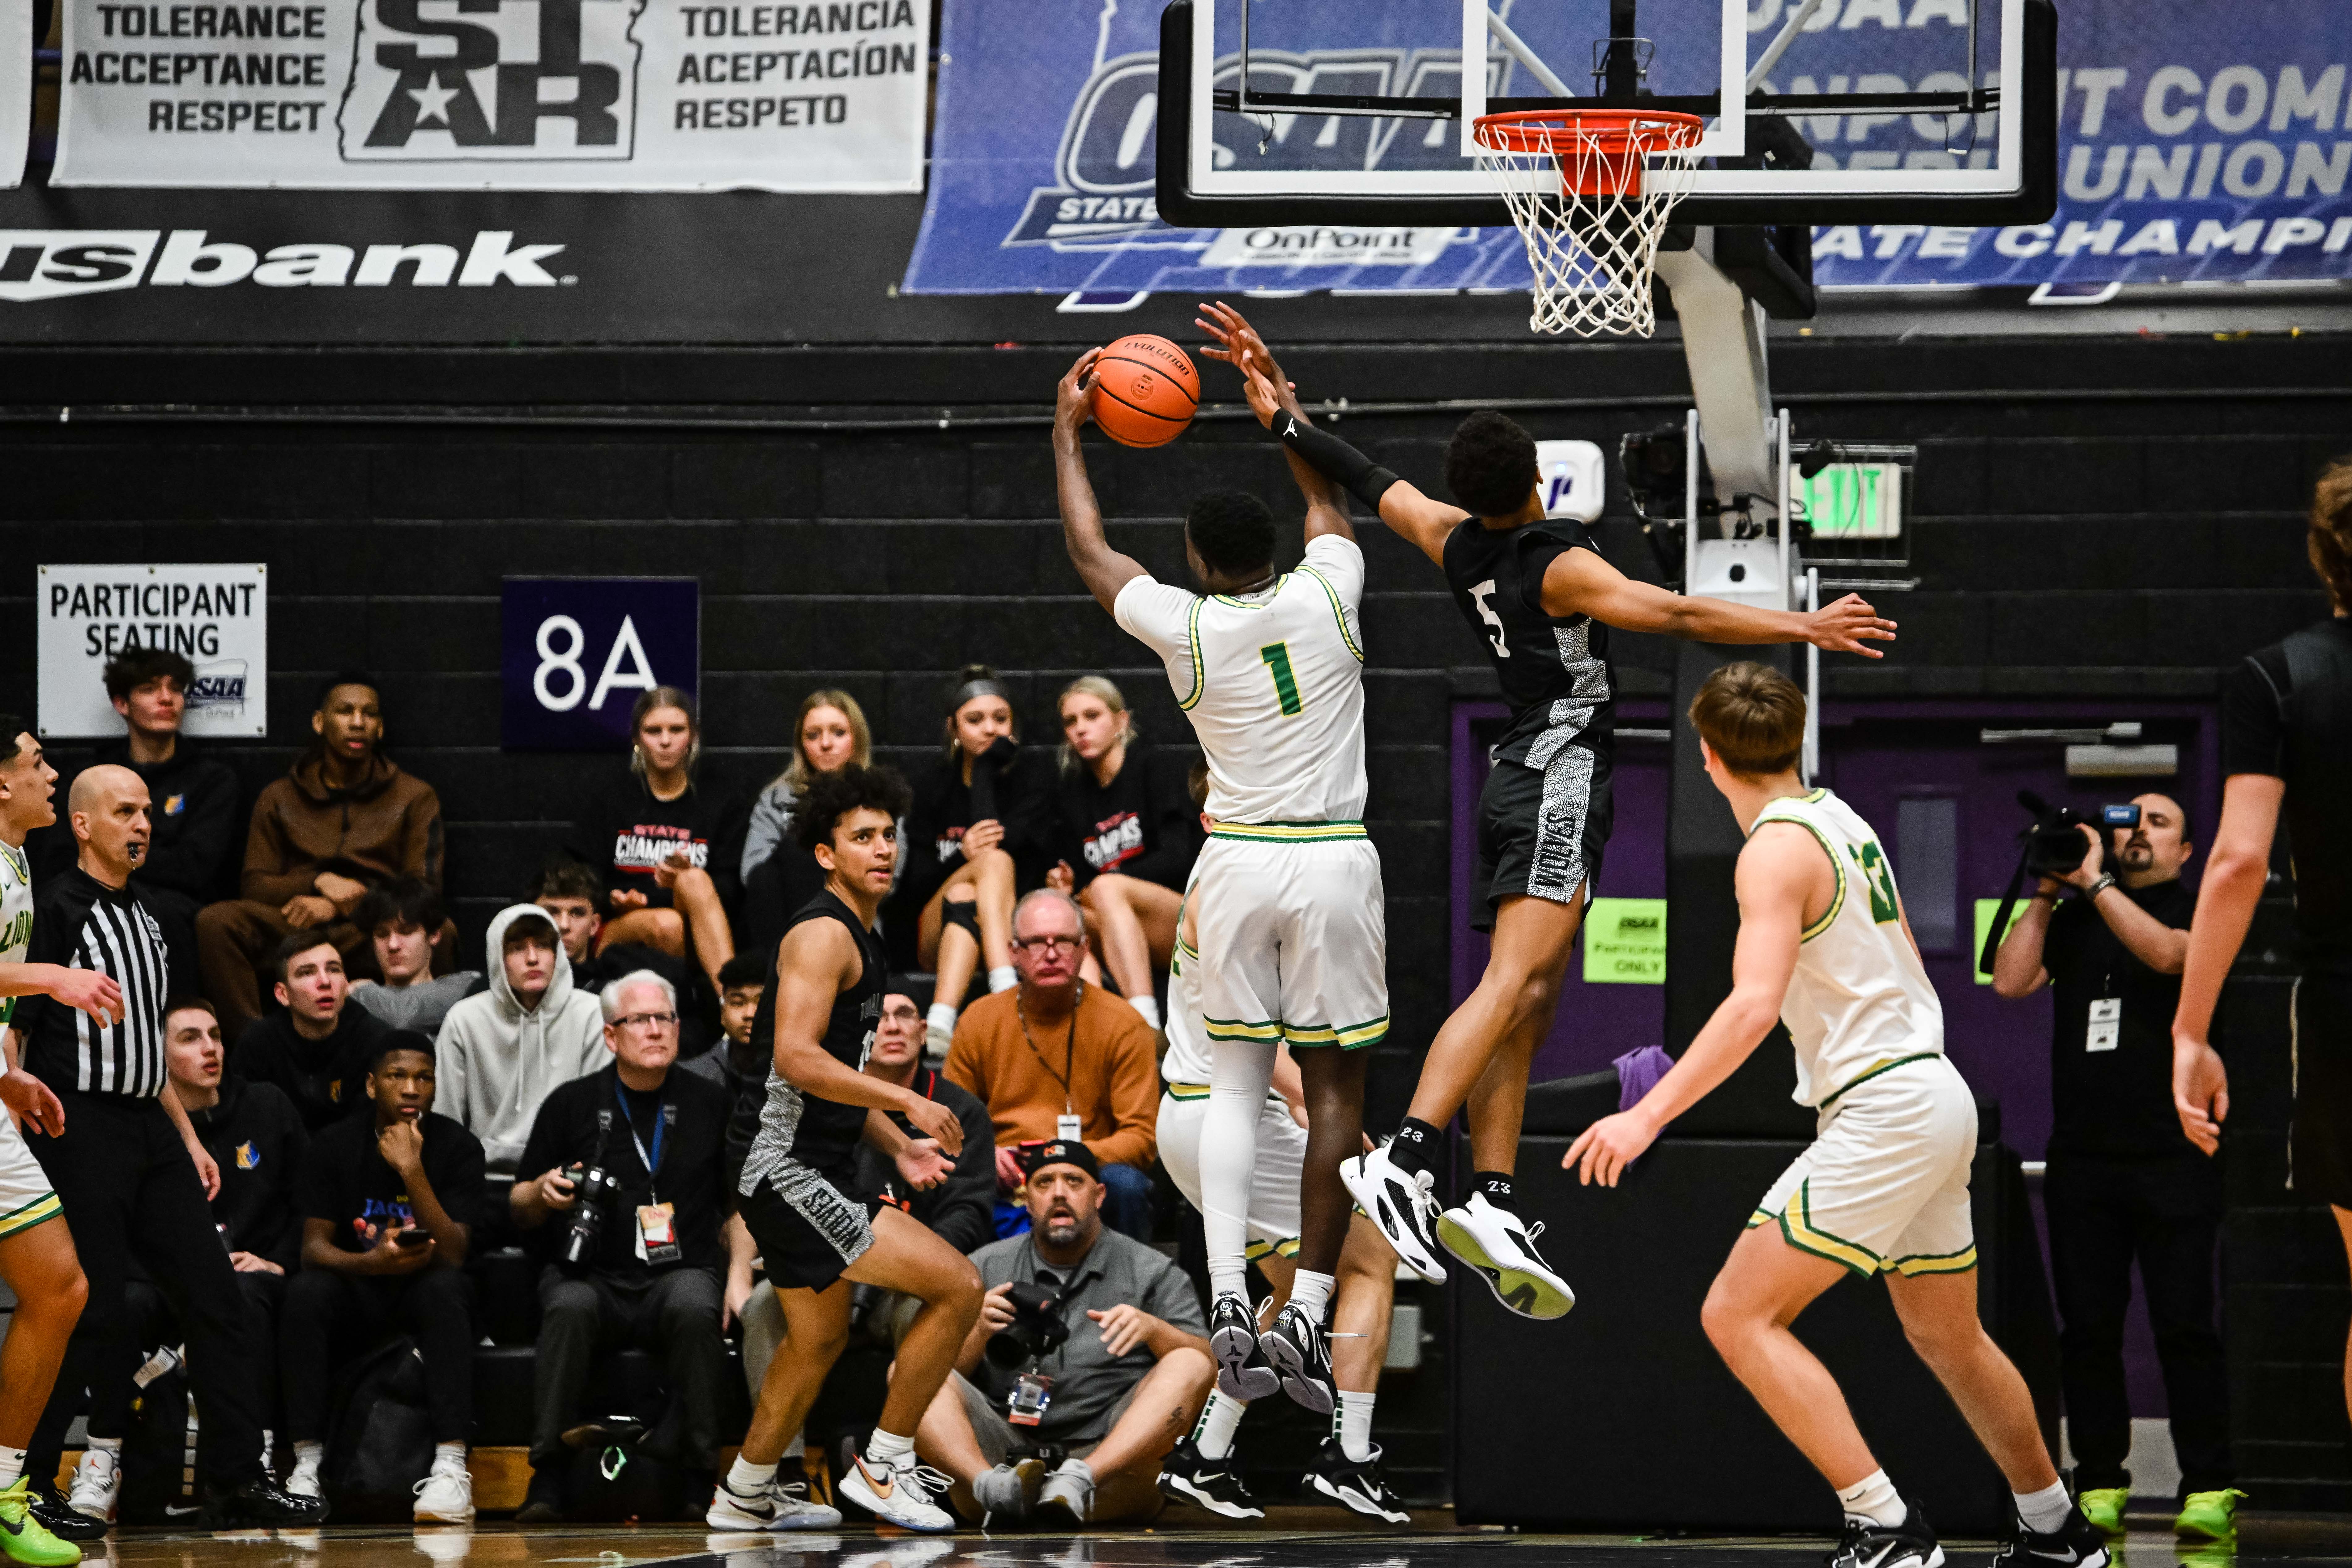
x: 1625, y: 941
x: 1853, y: 500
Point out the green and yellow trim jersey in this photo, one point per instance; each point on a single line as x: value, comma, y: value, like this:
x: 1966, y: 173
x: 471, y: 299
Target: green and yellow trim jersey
x: 15, y: 914
x: 1859, y: 1001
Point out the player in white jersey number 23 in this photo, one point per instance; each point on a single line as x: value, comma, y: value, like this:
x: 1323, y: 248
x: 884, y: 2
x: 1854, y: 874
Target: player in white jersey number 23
x: 1269, y: 667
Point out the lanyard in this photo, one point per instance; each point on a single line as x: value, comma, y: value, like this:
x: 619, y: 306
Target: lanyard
x: 1069, y: 1046
x: 668, y: 1114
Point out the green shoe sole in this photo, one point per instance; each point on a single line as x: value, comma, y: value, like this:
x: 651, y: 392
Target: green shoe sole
x: 1516, y: 1288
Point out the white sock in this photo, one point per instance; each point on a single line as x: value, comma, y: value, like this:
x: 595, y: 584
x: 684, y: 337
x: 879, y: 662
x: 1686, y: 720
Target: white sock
x: 309, y: 1454
x: 1874, y: 1498
x: 888, y: 1449
x: 454, y: 1453
x: 1355, y: 1424
x: 110, y: 1444
x: 747, y: 1477
x: 1240, y: 1072
x: 2047, y: 1510
x: 1311, y: 1293
x: 12, y: 1467
x: 1002, y: 978
x: 1148, y: 1006
x: 940, y: 1017
x: 1215, y: 1434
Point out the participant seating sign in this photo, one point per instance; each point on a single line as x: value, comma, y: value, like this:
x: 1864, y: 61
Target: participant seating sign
x: 217, y: 618
x: 611, y: 95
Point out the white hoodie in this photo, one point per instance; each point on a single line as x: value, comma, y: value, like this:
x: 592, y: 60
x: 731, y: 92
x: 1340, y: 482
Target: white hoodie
x: 497, y: 1062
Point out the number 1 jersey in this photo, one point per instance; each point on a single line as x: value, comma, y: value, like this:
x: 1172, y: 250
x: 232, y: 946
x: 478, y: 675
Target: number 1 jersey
x: 1554, y: 669
x: 1273, y: 681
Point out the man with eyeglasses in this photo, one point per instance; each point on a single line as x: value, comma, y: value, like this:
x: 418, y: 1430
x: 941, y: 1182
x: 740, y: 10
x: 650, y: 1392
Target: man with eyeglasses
x: 1056, y: 1059
x: 649, y: 1275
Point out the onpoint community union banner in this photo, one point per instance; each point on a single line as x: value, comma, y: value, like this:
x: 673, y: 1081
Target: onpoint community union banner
x: 2199, y: 141
x: 217, y: 618
x: 653, y: 95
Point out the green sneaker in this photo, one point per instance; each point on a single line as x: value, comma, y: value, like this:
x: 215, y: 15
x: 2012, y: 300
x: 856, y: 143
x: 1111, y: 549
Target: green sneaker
x: 24, y: 1538
x: 2103, y: 1507
x: 2208, y: 1516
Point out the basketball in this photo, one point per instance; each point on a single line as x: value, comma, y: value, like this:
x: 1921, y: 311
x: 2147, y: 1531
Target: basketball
x: 1145, y: 391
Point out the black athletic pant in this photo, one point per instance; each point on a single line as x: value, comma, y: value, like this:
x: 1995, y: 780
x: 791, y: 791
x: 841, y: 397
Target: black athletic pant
x: 130, y: 1191
x: 330, y: 1317
x: 2165, y: 1212
x: 152, y: 1324
x: 673, y: 1315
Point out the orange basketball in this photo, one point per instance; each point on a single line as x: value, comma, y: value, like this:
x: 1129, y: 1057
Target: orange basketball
x: 1145, y: 391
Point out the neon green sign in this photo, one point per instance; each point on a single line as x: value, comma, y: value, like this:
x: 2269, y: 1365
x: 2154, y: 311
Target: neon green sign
x: 1625, y: 941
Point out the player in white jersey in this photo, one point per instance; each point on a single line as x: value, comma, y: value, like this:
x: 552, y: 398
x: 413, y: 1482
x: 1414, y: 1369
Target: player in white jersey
x: 1269, y: 667
x: 1825, y: 946
x: 37, y: 1259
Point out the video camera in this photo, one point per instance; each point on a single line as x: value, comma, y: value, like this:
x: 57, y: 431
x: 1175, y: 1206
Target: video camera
x: 1038, y: 1328
x: 2052, y: 845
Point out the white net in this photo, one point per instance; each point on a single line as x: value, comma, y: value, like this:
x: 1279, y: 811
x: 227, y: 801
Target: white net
x: 1592, y: 194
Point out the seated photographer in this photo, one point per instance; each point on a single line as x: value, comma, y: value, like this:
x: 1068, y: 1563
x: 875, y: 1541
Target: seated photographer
x: 406, y: 924
x: 317, y: 1049
x: 622, y: 1189
x: 389, y: 1204
x: 1090, y: 1344
x: 2124, y: 1184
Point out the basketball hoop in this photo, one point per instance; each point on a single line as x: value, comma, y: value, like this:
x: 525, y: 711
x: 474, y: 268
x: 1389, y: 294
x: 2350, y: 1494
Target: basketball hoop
x: 1592, y: 191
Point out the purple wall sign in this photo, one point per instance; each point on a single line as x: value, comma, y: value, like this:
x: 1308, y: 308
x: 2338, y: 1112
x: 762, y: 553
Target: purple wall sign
x: 577, y: 652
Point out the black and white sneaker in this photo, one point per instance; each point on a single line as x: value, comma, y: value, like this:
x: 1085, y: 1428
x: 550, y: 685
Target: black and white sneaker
x: 1242, y: 1373
x: 1502, y: 1248
x: 1360, y: 1488
x: 1403, y: 1203
x: 2076, y: 1543
x: 1295, y: 1347
x: 1910, y: 1544
x: 1213, y: 1484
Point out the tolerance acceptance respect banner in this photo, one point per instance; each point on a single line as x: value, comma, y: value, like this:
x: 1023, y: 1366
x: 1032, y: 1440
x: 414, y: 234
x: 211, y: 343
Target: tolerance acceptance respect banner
x: 608, y: 95
x: 2199, y: 140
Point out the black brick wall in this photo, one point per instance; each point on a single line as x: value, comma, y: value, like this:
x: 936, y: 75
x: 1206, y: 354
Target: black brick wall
x: 2125, y: 538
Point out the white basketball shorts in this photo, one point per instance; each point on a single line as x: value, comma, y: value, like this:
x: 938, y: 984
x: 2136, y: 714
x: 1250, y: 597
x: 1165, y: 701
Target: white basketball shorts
x: 26, y: 1197
x: 1293, y: 935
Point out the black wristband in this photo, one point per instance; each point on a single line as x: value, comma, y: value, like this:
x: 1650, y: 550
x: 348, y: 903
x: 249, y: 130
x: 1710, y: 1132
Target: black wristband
x: 1336, y: 461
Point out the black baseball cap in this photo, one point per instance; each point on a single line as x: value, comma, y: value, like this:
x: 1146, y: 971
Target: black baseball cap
x: 1061, y: 1151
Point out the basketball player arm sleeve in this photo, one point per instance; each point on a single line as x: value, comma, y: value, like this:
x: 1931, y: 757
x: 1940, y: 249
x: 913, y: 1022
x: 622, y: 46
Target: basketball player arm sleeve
x: 1337, y: 461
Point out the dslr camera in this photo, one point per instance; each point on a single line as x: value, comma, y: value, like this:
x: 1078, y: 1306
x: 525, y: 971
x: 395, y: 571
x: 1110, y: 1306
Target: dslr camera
x: 2053, y: 845
x: 592, y: 1189
x: 1038, y: 1328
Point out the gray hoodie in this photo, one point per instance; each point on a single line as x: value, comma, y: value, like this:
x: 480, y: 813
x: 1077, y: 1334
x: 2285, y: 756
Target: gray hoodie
x: 497, y: 1062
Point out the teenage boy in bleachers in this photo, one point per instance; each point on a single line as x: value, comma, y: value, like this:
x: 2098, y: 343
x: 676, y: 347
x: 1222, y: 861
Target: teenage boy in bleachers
x: 318, y: 1047
x: 504, y: 1049
x: 405, y: 921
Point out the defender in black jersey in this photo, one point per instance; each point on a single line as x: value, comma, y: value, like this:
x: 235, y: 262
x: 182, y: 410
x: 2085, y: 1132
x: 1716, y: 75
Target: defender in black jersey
x: 1542, y: 599
x: 822, y: 1000
x: 2286, y: 745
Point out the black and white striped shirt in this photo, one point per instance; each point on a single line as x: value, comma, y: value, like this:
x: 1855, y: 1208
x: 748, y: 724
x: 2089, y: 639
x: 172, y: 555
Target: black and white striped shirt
x: 81, y: 924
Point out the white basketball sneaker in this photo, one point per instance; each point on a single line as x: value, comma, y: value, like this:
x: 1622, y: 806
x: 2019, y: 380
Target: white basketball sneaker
x: 903, y: 1494
x: 446, y: 1495
x: 1502, y: 1249
x: 1403, y: 1203
x: 96, y: 1479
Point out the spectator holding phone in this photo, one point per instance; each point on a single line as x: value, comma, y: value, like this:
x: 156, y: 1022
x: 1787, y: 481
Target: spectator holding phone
x: 663, y: 841
x: 389, y: 1201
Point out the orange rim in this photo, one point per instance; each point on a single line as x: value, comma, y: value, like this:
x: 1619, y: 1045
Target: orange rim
x: 1599, y: 151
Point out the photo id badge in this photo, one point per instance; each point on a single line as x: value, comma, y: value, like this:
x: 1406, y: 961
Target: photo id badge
x: 658, y: 1232
x: 1025, y: 1405
x: 1066, y: 1128
x: 2107, y: 1023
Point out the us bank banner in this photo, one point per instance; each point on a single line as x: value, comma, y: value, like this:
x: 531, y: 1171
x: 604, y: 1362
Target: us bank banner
x: 2201, y: 142
x: 609, y: 95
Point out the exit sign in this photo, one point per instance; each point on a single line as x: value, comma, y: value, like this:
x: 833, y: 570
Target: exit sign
x: 1853, y: 500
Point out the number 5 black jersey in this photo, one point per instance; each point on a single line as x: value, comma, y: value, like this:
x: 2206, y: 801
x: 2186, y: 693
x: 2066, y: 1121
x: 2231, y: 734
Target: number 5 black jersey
x: 1555, y: 669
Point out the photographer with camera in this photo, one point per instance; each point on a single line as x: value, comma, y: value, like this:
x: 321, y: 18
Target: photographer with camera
x: 390, y: 1202
x: 1090, y: 1350
x: 622, y: 1187
x: 2124, y: 1184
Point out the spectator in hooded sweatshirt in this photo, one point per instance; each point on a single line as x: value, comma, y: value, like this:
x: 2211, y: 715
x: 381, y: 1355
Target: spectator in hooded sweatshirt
x: 502, y: 1050
x: 405, y: 920
x: 194, y: 818
x: 342, y: 820
x: 318, y: 1049
x: 257, y: 1139
x: 663, y: 840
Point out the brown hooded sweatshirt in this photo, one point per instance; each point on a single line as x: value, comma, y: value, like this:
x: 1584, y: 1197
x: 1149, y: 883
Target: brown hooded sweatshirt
x: 387, y: 826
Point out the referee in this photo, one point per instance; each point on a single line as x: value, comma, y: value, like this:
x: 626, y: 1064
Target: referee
x: 132, y: 1177
x: 2286, y: 743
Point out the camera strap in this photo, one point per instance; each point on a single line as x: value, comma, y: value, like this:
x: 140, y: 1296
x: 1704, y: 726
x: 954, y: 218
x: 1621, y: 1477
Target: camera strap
x: 1999, y: 927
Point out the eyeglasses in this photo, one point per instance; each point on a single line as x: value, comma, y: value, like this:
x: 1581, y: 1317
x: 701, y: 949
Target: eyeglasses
x: 1054, y: 943
x: 902, y: 1015
x: 647, y: 1021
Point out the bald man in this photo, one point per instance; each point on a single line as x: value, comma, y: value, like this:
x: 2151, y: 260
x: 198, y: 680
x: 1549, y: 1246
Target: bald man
x: 128, y: 1167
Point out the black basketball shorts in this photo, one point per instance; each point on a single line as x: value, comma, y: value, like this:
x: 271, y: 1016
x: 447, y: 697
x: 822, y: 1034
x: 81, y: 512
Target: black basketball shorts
x: 807, y: 1226
x: 1540, y: 831
x: 2320, y: 1146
